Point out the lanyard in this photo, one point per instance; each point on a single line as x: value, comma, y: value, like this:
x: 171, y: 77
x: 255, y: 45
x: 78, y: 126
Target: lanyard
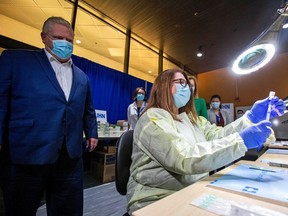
x: 140, y: 109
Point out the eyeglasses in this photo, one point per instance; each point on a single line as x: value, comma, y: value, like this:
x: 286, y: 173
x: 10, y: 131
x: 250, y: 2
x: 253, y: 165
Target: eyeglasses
x: 182, y: 82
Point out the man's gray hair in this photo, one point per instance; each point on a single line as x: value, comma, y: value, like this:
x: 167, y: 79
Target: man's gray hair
x: 48, y: 24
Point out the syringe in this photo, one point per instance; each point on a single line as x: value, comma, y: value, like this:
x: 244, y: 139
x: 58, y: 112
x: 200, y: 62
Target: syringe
x: 271, y: 95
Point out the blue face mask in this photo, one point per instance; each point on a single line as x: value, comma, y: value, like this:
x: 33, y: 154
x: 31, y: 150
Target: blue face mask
x: 181, y: 96
x: 215, y: 105
x: 62, y: 49
x: 140, y: 97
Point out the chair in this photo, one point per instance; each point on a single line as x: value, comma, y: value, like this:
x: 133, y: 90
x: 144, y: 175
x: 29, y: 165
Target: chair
x: 123, y: 161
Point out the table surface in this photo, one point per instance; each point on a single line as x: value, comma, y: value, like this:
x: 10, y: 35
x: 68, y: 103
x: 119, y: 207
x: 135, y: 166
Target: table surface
x: 112, y: 134
x: 179, y: 202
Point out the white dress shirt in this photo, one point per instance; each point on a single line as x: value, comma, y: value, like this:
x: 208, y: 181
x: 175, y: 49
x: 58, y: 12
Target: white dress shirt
x: 63, y: 73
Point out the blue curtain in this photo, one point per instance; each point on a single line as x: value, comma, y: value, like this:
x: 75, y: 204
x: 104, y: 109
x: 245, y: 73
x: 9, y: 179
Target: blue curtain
x: 112, y: 90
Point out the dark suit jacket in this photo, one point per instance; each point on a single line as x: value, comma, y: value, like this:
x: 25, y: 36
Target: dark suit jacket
x: 35, y: 117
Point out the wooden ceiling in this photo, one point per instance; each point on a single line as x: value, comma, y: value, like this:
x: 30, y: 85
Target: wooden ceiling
x: 223, y: 28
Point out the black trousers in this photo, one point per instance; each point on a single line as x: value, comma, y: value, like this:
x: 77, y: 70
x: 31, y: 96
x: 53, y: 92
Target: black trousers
x: 62, y: 183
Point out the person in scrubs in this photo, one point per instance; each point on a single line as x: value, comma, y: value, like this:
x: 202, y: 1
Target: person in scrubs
x: 173, y: 147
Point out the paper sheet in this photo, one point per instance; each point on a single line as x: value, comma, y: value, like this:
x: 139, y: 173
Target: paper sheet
x: 262, y: 182
x: 220, y: 206
x: 277, y: 151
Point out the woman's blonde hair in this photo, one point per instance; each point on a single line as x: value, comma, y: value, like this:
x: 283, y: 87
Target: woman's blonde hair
x: 162, y: 97
x: 195, y: 92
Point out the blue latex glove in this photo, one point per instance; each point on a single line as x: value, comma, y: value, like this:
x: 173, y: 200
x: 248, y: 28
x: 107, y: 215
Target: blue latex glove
x: 258, y: 111
x: 255, y: 136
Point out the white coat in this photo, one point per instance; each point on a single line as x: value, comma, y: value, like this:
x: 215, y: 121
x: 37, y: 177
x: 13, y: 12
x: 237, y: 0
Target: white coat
x: 132, y: 114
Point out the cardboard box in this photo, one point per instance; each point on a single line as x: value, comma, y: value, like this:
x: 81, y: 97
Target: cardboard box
x: 109, y: 149
x: 102, y: 165
x: 103, y: 157
x: 105, y: 173
x: 122, y: 123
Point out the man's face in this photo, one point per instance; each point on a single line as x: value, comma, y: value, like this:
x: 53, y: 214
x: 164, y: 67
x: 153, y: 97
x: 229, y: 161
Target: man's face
x: 57, y: 32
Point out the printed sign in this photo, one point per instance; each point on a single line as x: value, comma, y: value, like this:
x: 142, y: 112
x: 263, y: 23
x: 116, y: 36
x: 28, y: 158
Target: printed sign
x: 101, y: 115
x: 229, y: 107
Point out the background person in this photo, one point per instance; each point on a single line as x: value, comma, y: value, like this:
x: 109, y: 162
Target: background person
x: 173, y: 147
x: 200, y: 103
x: 135, y: 109
x: 240, y: 113
x: 216, y: 115
x: 45, y: 104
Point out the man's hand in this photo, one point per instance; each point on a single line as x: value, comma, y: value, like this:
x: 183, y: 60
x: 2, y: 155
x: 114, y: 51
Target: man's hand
x: 91, y: 144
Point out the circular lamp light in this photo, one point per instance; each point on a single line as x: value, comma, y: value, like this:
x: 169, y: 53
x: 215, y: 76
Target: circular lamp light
x: 253, y: 58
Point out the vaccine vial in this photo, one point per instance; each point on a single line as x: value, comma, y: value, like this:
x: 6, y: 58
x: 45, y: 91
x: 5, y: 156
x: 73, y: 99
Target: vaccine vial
x: 271, y: 95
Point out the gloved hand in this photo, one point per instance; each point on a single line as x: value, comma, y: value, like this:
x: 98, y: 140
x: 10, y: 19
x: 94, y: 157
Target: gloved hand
x: 258, y: 111
x: 255, y: 136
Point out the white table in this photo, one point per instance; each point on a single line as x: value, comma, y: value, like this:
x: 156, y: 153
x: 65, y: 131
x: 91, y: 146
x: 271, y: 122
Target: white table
x: 112, y: 134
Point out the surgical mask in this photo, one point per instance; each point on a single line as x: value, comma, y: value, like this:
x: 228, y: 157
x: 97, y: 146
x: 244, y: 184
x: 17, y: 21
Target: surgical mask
x: 140, y: 97
x: 182, y: 95
x: 215, y: 105
x: 62, y: 49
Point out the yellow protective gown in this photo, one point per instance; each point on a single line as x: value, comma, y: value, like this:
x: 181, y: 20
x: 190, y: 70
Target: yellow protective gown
x: 169, y: 155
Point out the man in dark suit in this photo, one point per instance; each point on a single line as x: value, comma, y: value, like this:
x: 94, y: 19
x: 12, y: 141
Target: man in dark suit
x: 45, y: 105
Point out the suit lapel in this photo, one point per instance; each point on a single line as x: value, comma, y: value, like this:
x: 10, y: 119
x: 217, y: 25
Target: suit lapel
x: 48, y: 70
x: 74, y: 81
